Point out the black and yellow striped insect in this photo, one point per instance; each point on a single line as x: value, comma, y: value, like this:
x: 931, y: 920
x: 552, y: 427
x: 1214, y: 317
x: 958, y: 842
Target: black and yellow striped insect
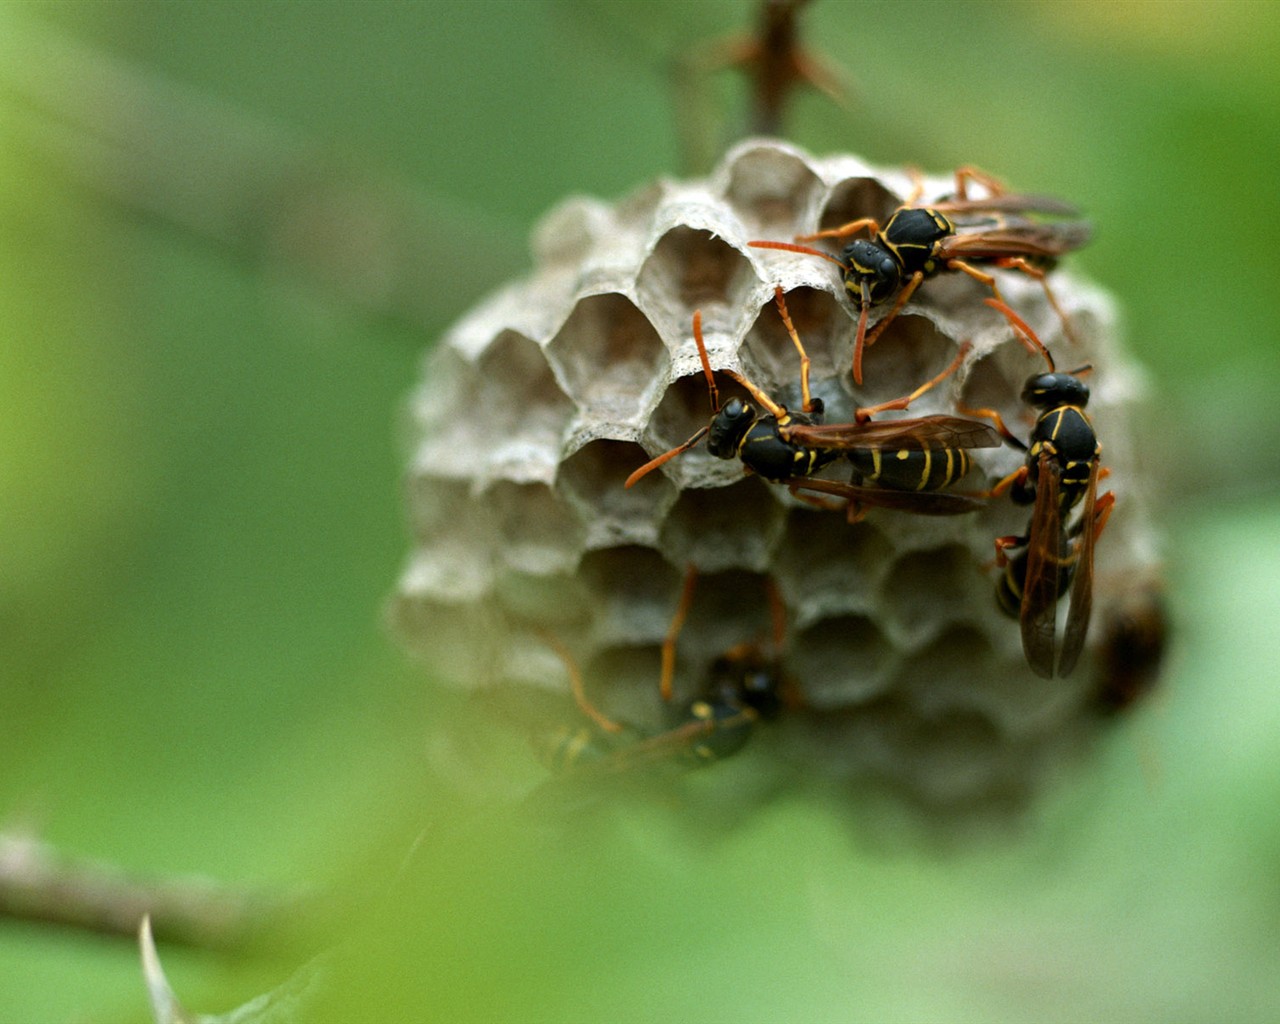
x: 960, y: 234
x: 1061, y: 473
x: 908, y: 460
x: 742, y: 687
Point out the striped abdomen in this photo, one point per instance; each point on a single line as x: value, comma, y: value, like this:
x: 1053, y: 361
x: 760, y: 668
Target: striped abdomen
x: 911, y: 469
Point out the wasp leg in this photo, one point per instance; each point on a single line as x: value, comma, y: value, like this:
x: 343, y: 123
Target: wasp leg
x: 673, y: 632
x: 577, y: 687
x: 862, y: 415
x: 805, y: 397
x: 844, y: 230
x: 903, y: 296
x: 1020, y: 263
x: 968, y: 173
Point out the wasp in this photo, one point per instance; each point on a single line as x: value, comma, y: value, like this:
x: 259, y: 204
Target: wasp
x: 1061, y: 472
x: 1130, y: 654
x: 960, y: 234
x: 743, y: 687
x: 907, y: 459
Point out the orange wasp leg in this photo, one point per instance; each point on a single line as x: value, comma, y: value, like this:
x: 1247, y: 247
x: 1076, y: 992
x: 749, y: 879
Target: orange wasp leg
x: 805, y: 395
x: 577, y: 688
x: 862, y: 415
x: 665, y: 684
x: 844, y: 230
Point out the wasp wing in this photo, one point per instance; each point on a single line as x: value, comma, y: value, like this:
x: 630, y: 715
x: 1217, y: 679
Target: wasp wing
x: 1008, y: 204
x: 923, y: 503
x: 1039, y: 613
x: 1081, y: 606
x: 1043, y: 241
x: 918, y: 434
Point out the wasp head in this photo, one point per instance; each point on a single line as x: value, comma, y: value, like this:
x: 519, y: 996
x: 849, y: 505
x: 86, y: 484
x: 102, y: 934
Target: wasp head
x: 1050, y: 390
x: 728, y: 427
x: 872, y: 273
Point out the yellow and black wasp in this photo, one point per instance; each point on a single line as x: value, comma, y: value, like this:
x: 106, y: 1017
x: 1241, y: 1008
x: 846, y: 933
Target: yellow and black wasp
x: 908, y: 460
x: 958, y: 234
x: 742, y: 687
x: 1061, y: 472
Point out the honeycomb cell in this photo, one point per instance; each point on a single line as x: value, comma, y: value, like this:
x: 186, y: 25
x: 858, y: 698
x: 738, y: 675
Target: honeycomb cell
x: 691, y: 269
x: 540, y: 532
x: 855, y: 198
x: 608, y: 357
x: 526, y: 422
x: 770, y: 358
x: 609, y: 514
x: 634, y: 592
x: 771, y: 189
x: 621, y: 680
x: 733, y: 527
x: 924, y: 589
x: 685, y: 407
x: 826, y: 567
x: 553, y: 601
x: 959, y: 672
x: 840, y: 661
x: 570, y: 231
x: 911, y: 351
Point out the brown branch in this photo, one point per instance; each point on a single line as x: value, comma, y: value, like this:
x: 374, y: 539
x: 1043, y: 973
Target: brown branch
x: 38, y: 884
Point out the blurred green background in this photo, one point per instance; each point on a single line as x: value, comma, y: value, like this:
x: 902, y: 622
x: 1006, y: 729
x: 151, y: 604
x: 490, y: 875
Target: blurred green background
x: 201, y: 518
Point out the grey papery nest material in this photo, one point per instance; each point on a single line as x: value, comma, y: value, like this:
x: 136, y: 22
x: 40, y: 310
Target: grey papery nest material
x: 534, y: 409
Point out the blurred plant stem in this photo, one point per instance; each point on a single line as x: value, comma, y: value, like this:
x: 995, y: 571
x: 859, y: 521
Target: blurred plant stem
x: 240, y: 183
x: 39, y: 884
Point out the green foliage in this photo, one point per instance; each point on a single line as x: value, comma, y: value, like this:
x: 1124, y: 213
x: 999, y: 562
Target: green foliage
x: 201, y: 519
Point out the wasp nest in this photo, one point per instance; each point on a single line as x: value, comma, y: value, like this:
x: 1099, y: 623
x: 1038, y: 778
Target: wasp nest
x: 535, y: 408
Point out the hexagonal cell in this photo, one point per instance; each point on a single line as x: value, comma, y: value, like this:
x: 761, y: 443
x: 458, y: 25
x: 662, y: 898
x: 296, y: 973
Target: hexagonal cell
x: 440, y: 432
x: 445, y: 508
x: 608, y: 357
x: 524, y: 410
x: 910, y: 352
x: 824, y: 566
x: 634, y: 591
x: 540, y: 533
x: 995, y: 382
x: 459, y: 642
x: 853, y: 199
x: 926, y: 589
x: 719, y: 528
x: 770, y: 188
x: 592, y: 479
x: 555, y: 601
x: 960, y: 672
x: 568, y: 232
x: 728, y: 609
x: 955, y: 758
x: 684, y: 409
x: 772, y: 362
x: 621, y: 680
x: 839, y: 661
x: 690, y: 269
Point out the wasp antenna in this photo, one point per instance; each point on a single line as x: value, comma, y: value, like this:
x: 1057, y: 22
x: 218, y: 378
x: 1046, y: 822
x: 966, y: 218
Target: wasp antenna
x: 1081, y: 370
x: 1022, y: 330
x: 802, y: 249
x: 665, y: 457
x: 706, y: 362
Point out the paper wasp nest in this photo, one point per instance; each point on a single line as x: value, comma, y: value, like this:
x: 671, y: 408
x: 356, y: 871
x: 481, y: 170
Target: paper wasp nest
x: 535, y: 408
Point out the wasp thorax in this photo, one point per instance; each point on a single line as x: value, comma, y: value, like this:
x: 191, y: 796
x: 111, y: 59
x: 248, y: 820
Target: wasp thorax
x: 729, y: 427
x: 903, y: 680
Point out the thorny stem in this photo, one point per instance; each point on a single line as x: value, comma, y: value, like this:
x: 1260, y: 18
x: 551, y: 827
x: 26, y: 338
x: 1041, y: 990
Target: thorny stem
x: 38, y: 884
